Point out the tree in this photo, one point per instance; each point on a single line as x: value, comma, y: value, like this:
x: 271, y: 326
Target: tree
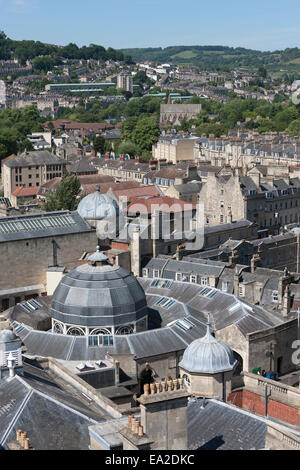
x: 294, y: 127
x: 128, y: 127
x: 66, y: 195
x: 262, y: 72
x: 8, y: 145
x: 146, y: 133
x: 128, y: 147
x: 99, y: 144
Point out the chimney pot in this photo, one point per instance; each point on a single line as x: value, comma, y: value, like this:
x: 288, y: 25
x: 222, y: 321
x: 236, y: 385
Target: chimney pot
x: 146, y: 389
x: 152, y: 388
x: 19, y: 435
x: 136, y: 426
x: 26, y: 443
x: 23, y: 437
x: 141, y: 432
x: 157, y: 384
x: 129, y: 421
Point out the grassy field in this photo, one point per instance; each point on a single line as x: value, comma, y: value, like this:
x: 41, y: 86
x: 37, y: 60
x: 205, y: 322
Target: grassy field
x: 184, y: 55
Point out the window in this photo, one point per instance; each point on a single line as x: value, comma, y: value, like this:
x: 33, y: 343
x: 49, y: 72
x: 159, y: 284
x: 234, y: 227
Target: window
x: 221, y: 219
x: 275, y: 296
x: 193, y: 279
x: 156, y: 273
x: 108, y: 340
x: 225, y: 286
x: 93, y: 341
x: 241, y: 291
x: 161, y: 300
x: 222, y: 203
x: 204, y: 281
x: 145, y: 272
x: 178, y: 276
x: 186, y: 381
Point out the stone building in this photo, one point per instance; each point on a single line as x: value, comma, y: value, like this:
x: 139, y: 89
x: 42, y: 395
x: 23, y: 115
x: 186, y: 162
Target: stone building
x: 125, y: 81
x: 270, y: 205
x: 174, y: 149
x: 29, y: 244
x: 30, y: 169
x: 176, y: 113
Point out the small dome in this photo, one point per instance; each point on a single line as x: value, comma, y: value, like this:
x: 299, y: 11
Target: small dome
x: 97, y: 206
x: 207, y: 355
x: 6, y: 336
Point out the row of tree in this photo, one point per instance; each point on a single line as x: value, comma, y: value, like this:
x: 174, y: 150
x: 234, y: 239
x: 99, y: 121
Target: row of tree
x: 24, y: 50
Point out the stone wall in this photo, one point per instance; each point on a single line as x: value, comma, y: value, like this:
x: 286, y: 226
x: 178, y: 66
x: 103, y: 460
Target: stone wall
x: 279, y: 438
x: 281, y: 338
x: 25, y: 262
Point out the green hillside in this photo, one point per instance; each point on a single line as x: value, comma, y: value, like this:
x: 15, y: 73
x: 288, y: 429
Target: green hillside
x: 218, y: 57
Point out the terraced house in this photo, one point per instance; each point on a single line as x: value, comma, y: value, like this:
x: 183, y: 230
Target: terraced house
x: 271, y: 204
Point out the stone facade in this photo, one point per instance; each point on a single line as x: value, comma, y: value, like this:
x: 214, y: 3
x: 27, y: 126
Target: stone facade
x: 174, y: 149
x: 176, y: 113
x: 236, y: 197
x: 34, y: 255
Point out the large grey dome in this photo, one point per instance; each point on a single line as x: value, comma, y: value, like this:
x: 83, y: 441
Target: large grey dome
x: 207, y: 355
x: 94, y: 295
x: 6, y: 336
x: 97, y: 206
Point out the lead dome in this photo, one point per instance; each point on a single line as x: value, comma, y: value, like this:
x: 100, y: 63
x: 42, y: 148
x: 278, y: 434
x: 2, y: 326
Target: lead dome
x: 98, y: 298
x: 208, y: 355
x: 97, y: 206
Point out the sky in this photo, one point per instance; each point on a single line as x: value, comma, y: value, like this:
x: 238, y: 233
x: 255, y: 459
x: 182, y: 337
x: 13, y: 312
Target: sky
x: 255, y: 24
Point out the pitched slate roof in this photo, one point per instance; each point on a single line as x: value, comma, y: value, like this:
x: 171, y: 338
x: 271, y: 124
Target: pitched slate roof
x: 221, y: 426
x: 54, y: 417
x: 41, y: 225
x: 38, y: 157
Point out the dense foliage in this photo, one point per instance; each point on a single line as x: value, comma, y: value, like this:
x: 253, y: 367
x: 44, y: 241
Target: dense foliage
x: 216, y: 118
x: 15, y: 125
x: 24, y: 50
x: 66, y: 196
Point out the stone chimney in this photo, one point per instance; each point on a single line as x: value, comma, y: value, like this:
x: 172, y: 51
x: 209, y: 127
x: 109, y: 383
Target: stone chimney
x: 164, y: 414
x: 236, y: 281
x: 179, y: 252
x: 134, y: 437
x: 286, y: 307
x: 232, y: 260
x: 254, y: 262
x: 284, y: 281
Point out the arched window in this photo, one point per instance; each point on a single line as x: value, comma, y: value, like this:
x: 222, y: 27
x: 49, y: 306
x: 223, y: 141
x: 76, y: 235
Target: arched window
x: 58, y: 328
x: 100, y: 331
x: 75, y: 331
x: 186, y: 380
x: 124, y: 330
